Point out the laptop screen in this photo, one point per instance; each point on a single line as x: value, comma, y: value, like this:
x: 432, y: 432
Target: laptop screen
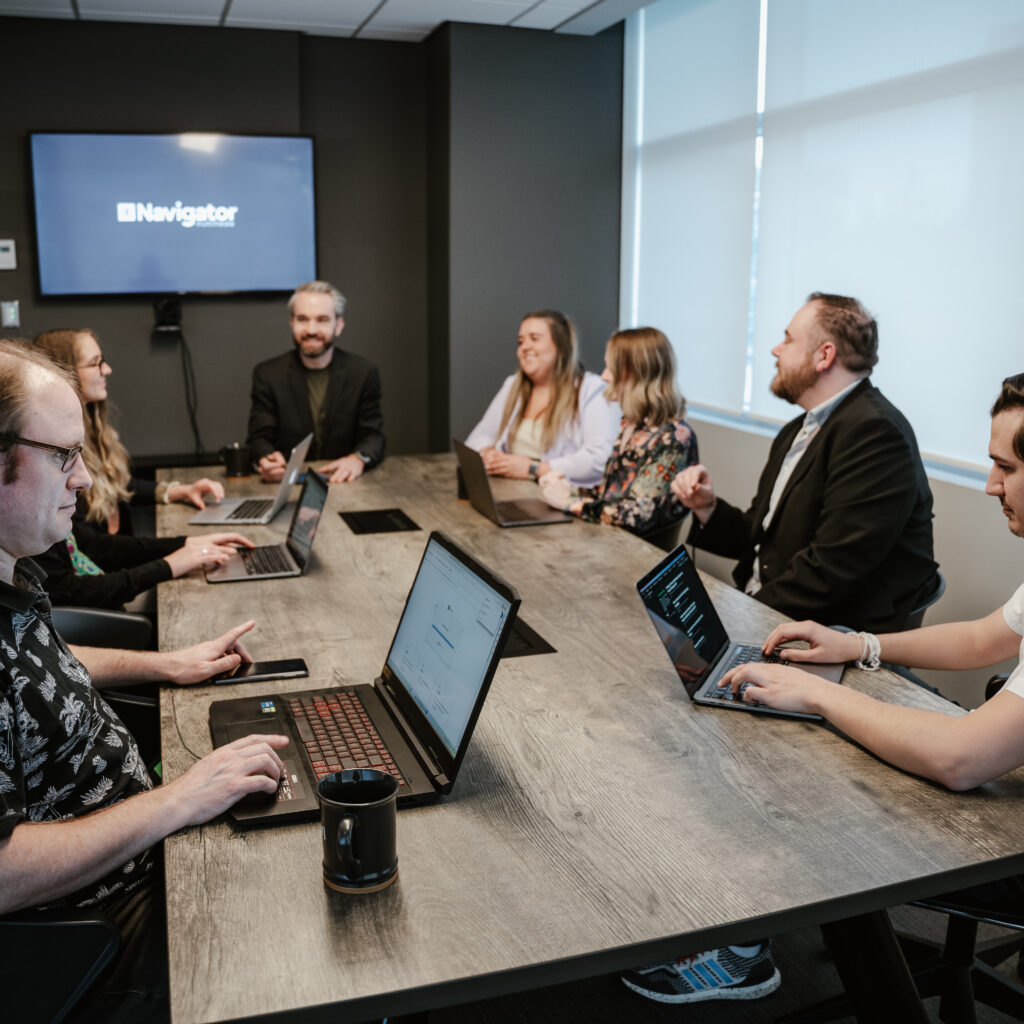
x: 682, y: 613
x: 446, y: 640
x: 307, y: 518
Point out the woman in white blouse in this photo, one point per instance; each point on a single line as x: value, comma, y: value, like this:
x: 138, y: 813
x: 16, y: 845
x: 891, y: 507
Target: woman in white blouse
x: 551, y: 414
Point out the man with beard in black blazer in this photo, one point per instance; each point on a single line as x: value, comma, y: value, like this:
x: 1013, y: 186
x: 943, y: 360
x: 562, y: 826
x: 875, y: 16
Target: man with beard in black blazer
x: 840, y: 529
x: 320, y: 388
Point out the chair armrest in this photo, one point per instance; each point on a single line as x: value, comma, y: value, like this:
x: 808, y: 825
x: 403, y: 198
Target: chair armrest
x: 100, y: 627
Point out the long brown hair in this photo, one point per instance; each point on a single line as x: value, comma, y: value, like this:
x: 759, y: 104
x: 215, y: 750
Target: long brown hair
x: 644, y: 377
x: 105, y: 456
x: 565, y: 382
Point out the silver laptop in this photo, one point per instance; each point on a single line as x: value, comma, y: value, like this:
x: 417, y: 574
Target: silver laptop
x: 522, y: 512
x: 249, y: 511
x: 276, y: 560
x: 696, y: 639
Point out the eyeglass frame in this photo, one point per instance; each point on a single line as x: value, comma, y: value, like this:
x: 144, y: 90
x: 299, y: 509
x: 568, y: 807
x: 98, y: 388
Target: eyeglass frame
x: 93, y: 364
x: 70, y: 454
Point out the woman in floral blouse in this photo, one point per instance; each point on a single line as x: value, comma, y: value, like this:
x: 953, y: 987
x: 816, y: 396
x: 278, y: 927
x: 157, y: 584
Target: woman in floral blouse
x: 654, y: 441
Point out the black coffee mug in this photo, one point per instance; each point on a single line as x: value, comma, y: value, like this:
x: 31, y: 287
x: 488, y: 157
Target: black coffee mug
x: 357, y: 824
x: 237, y: 459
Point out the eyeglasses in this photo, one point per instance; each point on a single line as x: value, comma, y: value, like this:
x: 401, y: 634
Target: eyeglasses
x: 69, y: 455
x: 94, y: 364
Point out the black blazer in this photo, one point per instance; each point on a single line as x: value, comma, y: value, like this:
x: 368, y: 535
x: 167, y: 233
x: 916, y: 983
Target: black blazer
x: 280, y: 416
x: 851, y: 539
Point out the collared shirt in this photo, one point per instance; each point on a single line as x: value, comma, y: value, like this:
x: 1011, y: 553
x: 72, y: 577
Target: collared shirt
x: 63, y: 751
x: 814, y: 420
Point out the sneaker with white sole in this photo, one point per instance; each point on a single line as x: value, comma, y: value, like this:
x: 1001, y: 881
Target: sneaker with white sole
x: 715, y: 974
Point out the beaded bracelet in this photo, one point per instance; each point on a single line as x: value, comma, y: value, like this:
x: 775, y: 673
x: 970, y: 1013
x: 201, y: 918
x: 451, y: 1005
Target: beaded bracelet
x: 870, y: 652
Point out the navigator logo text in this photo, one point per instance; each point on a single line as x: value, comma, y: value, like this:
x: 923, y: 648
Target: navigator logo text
x: 206, y: 216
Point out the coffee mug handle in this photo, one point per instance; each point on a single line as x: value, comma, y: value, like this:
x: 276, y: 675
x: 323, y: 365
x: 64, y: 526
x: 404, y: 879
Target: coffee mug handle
x: 352, y: 867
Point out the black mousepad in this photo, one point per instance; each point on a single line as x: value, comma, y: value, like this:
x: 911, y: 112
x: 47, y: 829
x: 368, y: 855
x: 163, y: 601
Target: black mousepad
x: 378, y: 520
x: 524, y: 640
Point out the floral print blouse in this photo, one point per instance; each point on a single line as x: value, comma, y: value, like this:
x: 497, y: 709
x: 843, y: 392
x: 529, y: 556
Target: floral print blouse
x: 634, y: 491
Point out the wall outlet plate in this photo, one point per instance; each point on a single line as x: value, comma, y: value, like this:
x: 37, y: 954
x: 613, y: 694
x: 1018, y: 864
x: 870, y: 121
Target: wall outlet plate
x: 8, y: 254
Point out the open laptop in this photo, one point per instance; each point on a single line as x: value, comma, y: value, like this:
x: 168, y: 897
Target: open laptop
x: 274, y: 561
x: 417, y: 718
x: 249, y: 511
x: 697, y: 641
x: 522, y: 512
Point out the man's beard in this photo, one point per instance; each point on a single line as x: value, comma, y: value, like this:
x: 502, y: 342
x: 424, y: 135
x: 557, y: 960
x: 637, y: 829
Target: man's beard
x: 325, y: 345
x: 790, y: 386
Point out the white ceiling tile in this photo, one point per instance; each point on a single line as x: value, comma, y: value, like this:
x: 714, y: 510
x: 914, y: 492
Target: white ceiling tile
x: 428, y: 14
x: 546, y: 16
x: 602, y: 15
x: 327, y: 17
x: 158, y: 10
x: 394, y: 35
x: 37, y: 8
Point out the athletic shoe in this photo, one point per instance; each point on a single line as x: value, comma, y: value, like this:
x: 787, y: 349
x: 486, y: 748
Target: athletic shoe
x: 716, y: 974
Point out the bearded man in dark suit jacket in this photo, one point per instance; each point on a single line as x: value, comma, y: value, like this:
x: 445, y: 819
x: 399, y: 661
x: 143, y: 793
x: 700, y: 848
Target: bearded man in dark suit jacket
x: 316, y: 388
x: 840, y: 529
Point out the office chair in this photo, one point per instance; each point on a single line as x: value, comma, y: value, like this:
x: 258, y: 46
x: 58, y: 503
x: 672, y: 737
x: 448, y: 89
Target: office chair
x: 137, y: 706
x: 916, y: 616
x: 97, y: 627
x: 50, y: 959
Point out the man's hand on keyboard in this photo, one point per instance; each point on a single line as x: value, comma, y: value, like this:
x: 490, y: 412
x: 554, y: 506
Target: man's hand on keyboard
x: 826, y: 645
x: 783, y: 687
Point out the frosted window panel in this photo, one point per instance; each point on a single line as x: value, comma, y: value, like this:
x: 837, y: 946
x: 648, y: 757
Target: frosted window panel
x: 700, y: 66
x: 818, y: 48
x: 695, y: 261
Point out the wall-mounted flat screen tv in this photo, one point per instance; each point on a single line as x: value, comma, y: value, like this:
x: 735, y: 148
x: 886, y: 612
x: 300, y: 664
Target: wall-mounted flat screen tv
x: 191, y: 213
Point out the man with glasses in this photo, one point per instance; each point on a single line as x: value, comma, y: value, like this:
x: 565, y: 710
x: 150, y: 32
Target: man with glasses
x: 78, y: 811
x: 841, y: 525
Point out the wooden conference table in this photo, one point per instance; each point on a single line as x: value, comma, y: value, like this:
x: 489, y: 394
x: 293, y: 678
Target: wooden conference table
x: 600, y: 819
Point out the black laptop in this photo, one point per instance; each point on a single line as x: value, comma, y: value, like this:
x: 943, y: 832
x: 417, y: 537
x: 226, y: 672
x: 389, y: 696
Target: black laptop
x: 275, y: 561
x: 521, y: 512
x: 417, y: 718
x: 696, y: 640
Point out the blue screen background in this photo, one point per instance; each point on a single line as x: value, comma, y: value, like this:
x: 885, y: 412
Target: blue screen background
x: 84, y: 249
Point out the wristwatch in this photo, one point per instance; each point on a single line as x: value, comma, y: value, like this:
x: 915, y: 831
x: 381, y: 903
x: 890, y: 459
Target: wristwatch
x: 366, y: 458
x: 534, y: 469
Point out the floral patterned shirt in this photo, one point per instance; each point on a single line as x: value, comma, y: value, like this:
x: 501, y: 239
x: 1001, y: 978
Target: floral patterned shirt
x: 634, y: 491
x: 63, y: 751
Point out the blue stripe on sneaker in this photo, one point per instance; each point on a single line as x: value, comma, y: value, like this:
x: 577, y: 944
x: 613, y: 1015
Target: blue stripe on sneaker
x: 720, y: 974
x: 696, y: 981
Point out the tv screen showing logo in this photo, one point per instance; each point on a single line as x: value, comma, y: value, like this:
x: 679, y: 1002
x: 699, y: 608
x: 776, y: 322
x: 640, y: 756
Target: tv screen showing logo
x: 172, y: 213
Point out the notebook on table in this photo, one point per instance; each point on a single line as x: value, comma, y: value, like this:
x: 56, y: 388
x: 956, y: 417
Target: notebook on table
x: 274, y: 561
x: 522, y: 512
x: 250, y: 511
x: 416, y: 719
x: 696, y: 639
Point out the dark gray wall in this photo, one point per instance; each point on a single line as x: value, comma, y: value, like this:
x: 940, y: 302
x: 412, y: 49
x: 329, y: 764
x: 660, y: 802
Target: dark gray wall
x: 520, y: 208
x: 364, y: 103
x: 532, y: 139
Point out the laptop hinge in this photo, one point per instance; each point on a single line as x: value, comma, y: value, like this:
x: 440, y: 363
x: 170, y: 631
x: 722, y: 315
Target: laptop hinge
x: 433, y: 769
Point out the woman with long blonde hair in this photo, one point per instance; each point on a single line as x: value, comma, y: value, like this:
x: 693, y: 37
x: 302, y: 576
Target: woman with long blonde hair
x: 95, y: 565
x: 654, y: 441
x: 549, y: 415
x: 106, y: 458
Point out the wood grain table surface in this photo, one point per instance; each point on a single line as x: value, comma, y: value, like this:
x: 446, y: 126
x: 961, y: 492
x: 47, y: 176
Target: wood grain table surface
x: 600, y: 819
